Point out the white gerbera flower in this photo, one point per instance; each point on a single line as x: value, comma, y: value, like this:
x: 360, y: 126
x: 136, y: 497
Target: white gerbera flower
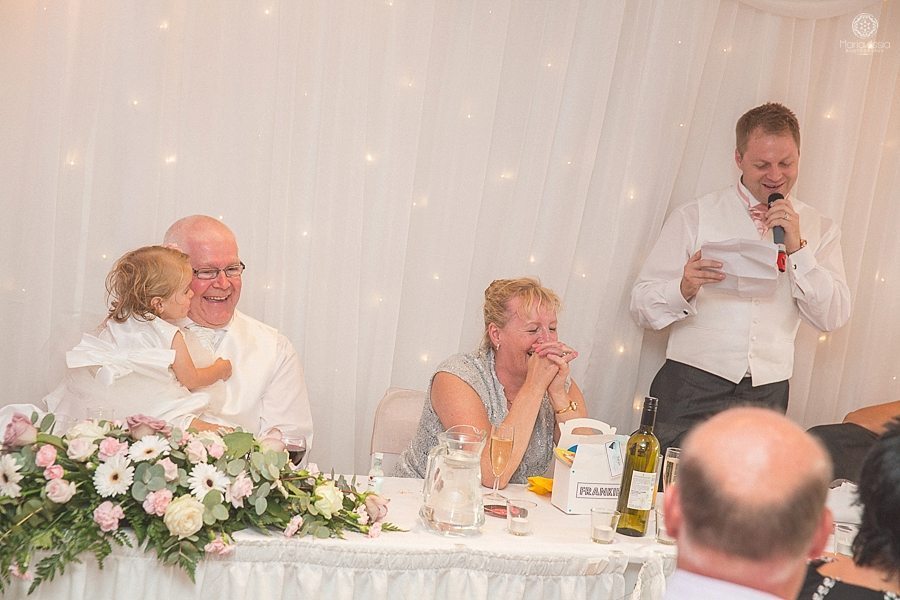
x: 148, y: 447
x: 10, y: 477
x: 204, y: 478
x: 114, y: 477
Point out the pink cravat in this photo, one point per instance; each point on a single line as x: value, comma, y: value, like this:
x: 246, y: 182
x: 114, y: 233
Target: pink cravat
x: 757, y: 211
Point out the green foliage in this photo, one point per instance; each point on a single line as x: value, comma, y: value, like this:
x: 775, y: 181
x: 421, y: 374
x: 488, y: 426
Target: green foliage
x: 253, y: 487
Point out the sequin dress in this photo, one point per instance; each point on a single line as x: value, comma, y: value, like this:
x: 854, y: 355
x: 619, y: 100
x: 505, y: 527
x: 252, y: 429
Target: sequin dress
x: 820, y: 587
x: 477, y: 369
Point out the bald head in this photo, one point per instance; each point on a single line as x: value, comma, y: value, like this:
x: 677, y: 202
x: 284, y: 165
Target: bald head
x: 757, y: 454
x: 752, y: 484
x: 210, y: 244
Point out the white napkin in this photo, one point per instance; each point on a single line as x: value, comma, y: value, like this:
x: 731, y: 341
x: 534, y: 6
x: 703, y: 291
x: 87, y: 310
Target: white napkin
x: 842, y: 502
x: 749, y: 266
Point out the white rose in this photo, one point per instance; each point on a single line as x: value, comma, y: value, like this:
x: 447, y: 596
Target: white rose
x: 60, y: 490
x: 330, y: 501
x: 88, y: 430
x: 81, y: 449
x: 184, y: 516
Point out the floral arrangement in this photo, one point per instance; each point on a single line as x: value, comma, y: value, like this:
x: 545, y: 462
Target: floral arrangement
x: 183, y: 494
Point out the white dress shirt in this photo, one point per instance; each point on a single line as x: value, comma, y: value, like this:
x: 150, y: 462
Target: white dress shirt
x: 684, y: 585
x: 722, y: 333
x: 267, y: 388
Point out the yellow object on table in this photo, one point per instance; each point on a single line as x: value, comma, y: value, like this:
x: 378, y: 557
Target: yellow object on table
x: 540, y: 485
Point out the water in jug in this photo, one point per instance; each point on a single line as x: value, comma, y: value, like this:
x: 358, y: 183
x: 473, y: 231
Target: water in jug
x: 452, y: 493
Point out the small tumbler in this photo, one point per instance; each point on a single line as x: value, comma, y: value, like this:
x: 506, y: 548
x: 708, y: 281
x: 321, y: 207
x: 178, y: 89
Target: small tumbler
x: 519, y: 516
x: 662, y: 534
x: 603, y: 524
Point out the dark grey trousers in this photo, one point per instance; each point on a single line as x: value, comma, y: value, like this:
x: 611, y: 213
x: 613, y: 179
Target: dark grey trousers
x: 688, y: 396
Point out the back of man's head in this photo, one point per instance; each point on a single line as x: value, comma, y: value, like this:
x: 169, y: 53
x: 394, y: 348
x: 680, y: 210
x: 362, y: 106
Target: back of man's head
x: 751, y: 491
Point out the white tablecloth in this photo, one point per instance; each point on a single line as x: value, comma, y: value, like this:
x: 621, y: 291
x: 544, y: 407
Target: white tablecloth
x: 558, y: 561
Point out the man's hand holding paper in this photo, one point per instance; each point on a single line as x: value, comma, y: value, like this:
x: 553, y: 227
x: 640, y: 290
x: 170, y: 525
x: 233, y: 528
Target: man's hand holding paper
x: 749, y: 266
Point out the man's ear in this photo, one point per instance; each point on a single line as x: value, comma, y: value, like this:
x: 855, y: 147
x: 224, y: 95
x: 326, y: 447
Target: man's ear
x: 672, y: 506
x: 820, y: 537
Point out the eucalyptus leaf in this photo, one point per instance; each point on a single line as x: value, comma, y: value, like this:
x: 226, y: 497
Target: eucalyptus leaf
x: 220, y: 512
x: 236, y: 466
x: 260, y: 505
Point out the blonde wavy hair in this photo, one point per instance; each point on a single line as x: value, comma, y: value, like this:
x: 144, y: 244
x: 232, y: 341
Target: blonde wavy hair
x: 140, y: 276
x: 498, y: 294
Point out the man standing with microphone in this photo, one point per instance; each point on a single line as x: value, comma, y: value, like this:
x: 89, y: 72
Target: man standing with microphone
x: 725, y: 349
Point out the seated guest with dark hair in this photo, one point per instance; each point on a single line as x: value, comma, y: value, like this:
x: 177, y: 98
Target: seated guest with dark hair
x: 850, y: 441
x: 748, y: 508
x: 874, y: 570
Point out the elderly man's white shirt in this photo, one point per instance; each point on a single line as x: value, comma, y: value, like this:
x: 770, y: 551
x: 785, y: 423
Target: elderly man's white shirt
x: 684, y: 585
x: 267, y: 388
x: 725, y: 334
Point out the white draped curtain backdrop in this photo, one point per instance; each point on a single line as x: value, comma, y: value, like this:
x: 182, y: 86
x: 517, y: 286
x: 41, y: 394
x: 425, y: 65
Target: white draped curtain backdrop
x: 382, y: 161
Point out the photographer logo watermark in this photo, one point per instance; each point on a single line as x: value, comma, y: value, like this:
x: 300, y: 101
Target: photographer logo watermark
x: 864, y: 27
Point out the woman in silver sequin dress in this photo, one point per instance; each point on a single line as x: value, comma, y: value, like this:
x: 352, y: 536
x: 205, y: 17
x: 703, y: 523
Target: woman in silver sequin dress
x: 519, y: 376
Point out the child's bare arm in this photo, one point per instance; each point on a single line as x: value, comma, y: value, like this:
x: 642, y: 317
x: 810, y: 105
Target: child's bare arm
x: 189, y: 375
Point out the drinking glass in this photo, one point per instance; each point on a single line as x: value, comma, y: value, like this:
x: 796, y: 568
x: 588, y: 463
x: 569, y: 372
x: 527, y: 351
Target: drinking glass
x: 670, y: 467
x: 296, y: 449
x: 502, y: 437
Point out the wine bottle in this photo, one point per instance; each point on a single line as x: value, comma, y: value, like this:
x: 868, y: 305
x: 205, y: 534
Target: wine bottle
x: 639, y: 477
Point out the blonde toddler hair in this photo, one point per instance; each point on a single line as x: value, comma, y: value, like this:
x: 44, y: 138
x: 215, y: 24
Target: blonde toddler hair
x: 141, y: 275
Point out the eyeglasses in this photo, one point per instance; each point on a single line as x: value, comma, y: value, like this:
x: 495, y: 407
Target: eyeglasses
x: 230, y: 271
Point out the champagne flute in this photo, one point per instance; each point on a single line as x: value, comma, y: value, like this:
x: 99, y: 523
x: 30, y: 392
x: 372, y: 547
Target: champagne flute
x: 670, y: 467
x: 502, y: 437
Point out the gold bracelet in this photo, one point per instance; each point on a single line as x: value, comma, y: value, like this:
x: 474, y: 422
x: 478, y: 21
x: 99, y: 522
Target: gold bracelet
x: 572, y: 406
x: 802, y: 246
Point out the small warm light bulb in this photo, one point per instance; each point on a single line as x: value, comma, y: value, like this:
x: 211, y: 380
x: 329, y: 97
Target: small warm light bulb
x: 584, y: 275
x: 568, y: 162
x: 134, y: 102
x: 506, y: 175
x: 469, y: 115
x: 267, y: 12
x: 23, y: 290
x: 678, y: 42
x: 305, y: 233
x: 531, y: 258
x: 164, y: 25
x: 631, y: 194
x: 549, y: 65
x: 103, y: 256
x: 621, y: 349
x: 369, y: 157
x: 424, y: 358
x: 681, y: 124
x: 171, y: 159
x: 823, y: 337
x: 436, y: 277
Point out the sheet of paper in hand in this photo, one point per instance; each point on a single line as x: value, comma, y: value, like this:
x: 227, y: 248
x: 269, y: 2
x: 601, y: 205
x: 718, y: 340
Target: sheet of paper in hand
x: 749, y: 266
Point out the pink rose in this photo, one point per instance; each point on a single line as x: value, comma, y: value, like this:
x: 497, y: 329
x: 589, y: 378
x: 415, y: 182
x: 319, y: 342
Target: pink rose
x: 196, y: 451
x: 216, y: 450
x: 60, y: 490
x: 374, y: 530
x: 170, y: 468
x: 141, y: 425
x: 19, y: 574
x: 156, y: 502
x: 293, y: 526
x: 363, y: 514
x: 219, y: 547
x: 274, y: 441
x: 110, y: 447
x: 377, y: 507
x: 46, y: 456
x: 240, y: 488
x: 107, y: 516
x: 53, y: 472
x: 80, y: 449
x: 19, y: 432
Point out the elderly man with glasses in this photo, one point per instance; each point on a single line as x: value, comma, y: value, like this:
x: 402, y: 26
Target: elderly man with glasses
x: 267, y: 389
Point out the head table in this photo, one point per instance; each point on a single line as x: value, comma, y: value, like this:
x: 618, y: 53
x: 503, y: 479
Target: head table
x: 557, y: 561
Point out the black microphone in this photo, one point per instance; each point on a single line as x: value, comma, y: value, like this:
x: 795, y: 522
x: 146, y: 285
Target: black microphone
x: 778, y: 236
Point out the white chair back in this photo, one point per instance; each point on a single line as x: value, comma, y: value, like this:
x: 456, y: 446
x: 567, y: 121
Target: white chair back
x: 396, y: 421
